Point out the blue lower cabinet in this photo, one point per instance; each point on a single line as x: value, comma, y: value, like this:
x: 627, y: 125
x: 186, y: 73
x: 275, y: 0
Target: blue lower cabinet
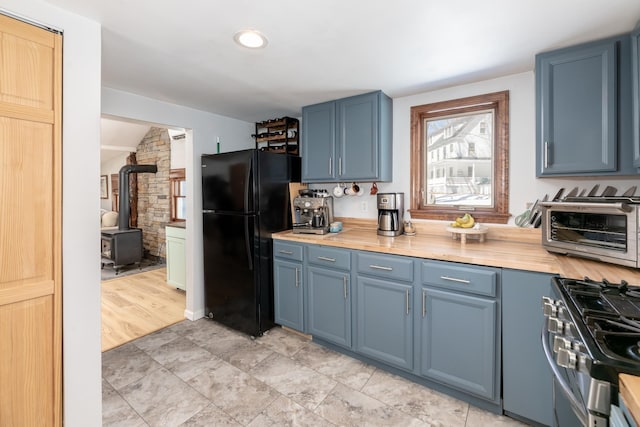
x: 384, y: 329
x: 522, y: 319
x: 458, y: 341
x: 329, y: 305
x: 288, y: 294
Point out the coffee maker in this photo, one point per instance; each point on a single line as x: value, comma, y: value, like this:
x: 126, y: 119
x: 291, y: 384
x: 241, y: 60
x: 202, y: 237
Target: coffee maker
x: 313, y: 212
x: 390, y: 213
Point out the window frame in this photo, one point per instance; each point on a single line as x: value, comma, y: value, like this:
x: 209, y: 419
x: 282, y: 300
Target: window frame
x: 499, y: 103
x: 176, y: 176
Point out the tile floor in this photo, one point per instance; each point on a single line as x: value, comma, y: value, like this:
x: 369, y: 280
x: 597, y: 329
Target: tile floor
x: 204, y: 374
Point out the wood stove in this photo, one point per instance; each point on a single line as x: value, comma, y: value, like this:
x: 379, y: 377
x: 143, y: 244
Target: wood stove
x: 123, y: 246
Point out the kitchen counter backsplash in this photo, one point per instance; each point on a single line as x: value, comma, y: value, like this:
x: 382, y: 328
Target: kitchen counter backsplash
x: 505, y: 246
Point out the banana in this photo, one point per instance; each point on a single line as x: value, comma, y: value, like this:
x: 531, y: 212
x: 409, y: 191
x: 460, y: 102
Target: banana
x: 469, y: 224
x: 454, y: 224
x: 464, y: 219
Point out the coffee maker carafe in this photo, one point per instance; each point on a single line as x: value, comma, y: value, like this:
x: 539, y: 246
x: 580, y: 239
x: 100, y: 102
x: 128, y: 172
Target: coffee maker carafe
x: 390, y: 213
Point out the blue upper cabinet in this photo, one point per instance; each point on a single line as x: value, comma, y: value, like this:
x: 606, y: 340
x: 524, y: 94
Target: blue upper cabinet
x: 635, y: 76
x: 583, y: 110
x: 348, y: 139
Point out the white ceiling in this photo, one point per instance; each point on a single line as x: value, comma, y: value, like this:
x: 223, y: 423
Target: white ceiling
x: 183, y: 51
x: 118, y: 137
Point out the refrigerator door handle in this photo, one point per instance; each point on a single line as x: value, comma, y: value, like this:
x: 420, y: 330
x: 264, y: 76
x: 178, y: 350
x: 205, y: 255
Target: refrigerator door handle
x: 247, y: 243
x: 247, y: 183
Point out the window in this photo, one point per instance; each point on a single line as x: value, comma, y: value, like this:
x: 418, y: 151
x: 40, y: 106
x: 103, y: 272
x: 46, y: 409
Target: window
x: 478, y: 126
x: 178, y: 189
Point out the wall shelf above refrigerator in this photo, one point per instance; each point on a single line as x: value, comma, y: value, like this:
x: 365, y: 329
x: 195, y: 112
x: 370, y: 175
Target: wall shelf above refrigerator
x: 278, y: 135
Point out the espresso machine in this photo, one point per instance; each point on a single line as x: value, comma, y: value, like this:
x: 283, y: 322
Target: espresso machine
x: 390, y: 213
x: 313, y: 212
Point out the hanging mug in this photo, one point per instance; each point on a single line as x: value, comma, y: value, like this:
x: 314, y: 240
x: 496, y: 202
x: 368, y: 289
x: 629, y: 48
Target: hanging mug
x: 338, y: 191
x: 374, y: 189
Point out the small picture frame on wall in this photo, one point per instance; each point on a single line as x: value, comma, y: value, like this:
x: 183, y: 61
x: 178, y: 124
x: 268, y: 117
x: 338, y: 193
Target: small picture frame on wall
x: 104, y: 187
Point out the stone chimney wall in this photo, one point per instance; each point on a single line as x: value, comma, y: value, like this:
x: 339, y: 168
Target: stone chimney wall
x: 153, y: 191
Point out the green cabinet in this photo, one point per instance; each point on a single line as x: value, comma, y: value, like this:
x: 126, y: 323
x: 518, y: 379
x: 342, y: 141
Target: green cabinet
x: 460, y: 327
x: 384, y: 305
x: 347, y: 139
x: 583, y: 110
x: 522, y: 321
x: 288, y: 285
x: 329, y: 294
x: 176, y: 257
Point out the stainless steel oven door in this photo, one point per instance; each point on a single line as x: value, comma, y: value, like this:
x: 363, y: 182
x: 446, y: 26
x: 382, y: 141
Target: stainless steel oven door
x: 605, y: 232
x: 569, y: 407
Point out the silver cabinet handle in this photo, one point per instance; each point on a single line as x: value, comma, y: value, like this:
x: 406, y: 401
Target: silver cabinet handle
x: 340, y: 166
x: 406, y: 293
x: 344, y: 286
x: 546, y: 154
x: 282, y: 251
x: 297, y: 279
x: 424, y: 303
x: 380, y: 267
x: 324, y: 258
x: 453, y: 279
x: 330, y: 166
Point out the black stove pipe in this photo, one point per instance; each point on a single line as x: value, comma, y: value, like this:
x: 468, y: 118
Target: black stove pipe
x: 123, y: 191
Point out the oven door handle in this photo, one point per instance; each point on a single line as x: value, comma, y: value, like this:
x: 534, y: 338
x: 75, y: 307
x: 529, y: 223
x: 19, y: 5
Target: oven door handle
x: 578, y: 409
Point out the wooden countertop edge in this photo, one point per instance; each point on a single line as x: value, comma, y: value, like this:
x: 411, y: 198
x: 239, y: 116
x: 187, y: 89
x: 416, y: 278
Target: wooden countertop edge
x: 505, y: 247
x: 630, y: 392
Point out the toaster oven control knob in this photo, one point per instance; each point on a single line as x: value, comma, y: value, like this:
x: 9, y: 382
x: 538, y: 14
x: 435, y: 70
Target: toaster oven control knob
x: 567, y: 358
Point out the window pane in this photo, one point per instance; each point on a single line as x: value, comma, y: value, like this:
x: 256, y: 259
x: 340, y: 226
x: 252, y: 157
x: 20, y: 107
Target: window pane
x: 460, y: 150
x: 182, y: 191
x: 181, y: 208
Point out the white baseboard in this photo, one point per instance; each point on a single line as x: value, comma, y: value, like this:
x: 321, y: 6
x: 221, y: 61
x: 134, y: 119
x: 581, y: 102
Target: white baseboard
x: 194, y: 315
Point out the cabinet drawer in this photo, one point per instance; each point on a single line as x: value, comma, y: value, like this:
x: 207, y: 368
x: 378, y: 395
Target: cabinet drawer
x: 329, y: 257
x: 476, y: 280
x: 385, y: 266
x: 178, y: 232
x: 287, y: 251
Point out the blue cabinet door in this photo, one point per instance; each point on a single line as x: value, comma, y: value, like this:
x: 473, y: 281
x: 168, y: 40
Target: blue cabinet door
x: 522, y: 320
x: 635, y: 84
x: 318, y: 146
x: 329, y: 305
x: 576, y: 110
x: 288, y: 294
x: 458, y: 341
x: 384, y: 329
x: 358, y: 137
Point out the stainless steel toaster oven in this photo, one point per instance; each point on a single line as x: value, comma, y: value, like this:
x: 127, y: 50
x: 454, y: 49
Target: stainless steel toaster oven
x: 604, y: 230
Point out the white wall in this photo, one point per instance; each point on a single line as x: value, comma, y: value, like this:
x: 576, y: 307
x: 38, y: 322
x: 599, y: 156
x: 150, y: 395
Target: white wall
x: 107, y: 168
x: 523, y: 185
x: 202, y: 131
x: 178, y: 151
x: 80, y: 183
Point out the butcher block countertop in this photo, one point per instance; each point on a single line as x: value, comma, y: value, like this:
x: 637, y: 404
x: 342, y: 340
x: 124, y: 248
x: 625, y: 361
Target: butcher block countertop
x: 630, y: 392
x: 504, y: 246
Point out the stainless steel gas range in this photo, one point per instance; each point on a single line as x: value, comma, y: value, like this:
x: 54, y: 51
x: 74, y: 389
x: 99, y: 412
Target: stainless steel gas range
x: 591, y: 334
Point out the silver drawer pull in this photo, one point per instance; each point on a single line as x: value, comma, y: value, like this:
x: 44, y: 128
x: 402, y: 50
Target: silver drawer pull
x: 324, y: 258
x: 424, y: 303
x: 344, y: 286
x: 453, y: 279
x: 297, y: 279
x: 282, y: 251
x: 381, y: 267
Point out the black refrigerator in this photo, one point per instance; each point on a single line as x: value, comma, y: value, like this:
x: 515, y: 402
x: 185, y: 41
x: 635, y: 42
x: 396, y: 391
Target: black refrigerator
x: 245, y: 198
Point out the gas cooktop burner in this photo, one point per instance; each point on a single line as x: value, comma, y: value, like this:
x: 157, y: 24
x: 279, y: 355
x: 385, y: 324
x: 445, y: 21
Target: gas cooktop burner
x: 609, y: 315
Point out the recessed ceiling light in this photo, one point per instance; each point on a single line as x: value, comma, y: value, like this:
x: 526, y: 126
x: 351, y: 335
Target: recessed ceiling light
x: 250, y: 38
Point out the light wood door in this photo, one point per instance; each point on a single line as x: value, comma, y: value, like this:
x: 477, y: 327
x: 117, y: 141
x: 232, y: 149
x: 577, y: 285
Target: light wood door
x: 30, y: 225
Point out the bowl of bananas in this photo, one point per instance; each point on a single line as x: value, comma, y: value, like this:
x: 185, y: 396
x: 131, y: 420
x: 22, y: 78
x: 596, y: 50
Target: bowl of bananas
x: 466, y: 226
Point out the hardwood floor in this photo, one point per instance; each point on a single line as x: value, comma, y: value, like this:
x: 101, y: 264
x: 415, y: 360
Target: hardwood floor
x: 136, y: 305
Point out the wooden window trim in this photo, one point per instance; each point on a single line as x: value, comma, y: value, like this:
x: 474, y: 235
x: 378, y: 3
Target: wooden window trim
x: 499, y: 102
x: 175, y: 176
